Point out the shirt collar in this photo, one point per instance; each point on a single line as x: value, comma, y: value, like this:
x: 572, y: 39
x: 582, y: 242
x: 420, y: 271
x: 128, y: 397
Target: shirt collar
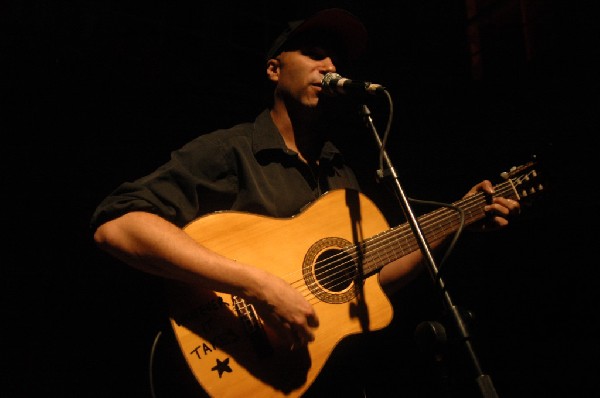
x: 266, y: 137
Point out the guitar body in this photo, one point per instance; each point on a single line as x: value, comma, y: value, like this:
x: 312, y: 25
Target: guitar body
x: 229, y: 350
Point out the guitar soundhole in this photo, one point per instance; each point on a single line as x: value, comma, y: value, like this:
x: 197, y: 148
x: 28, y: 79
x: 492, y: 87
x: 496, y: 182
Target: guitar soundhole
x: 334, y: 270
x: 329, y: 270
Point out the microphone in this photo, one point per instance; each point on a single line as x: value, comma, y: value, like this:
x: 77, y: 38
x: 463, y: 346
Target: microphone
x: 334, y: 84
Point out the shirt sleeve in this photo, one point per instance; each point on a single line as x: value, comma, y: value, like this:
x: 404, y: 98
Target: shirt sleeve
x: 173, y: 190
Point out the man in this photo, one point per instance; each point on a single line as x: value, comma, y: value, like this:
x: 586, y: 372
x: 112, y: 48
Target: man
x: 274, y: 166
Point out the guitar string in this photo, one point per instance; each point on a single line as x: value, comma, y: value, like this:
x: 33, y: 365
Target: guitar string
x: 445, y: 214
x: 388, y: 239
x: 380, y: 246
x: 432, y: 222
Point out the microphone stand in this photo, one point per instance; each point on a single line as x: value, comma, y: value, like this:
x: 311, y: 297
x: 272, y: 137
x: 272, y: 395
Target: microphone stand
x: 484, y: 381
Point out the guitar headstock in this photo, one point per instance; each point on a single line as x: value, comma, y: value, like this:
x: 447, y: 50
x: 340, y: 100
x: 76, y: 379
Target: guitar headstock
x: 524, y: 180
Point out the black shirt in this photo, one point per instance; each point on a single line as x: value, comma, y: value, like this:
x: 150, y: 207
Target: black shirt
x: 244, y: 168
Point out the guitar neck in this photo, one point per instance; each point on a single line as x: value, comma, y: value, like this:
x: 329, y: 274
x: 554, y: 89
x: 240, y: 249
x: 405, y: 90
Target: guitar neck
x: 397, y: 242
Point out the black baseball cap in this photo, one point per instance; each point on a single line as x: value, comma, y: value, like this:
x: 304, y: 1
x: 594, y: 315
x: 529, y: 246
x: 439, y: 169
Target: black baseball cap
x: 343, y: 29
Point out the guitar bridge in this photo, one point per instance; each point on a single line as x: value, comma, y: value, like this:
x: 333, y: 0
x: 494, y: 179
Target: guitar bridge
x: 252, y: 326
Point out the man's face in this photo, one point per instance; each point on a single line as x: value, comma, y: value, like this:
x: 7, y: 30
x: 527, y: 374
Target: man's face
x: 301, y: 71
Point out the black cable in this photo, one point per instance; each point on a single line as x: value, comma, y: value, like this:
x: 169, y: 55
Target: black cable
x: 151, y: 364
x: 458, y: 231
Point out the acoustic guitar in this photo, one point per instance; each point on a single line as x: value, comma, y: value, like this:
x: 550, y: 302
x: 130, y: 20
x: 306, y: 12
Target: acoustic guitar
x: 331, y: 252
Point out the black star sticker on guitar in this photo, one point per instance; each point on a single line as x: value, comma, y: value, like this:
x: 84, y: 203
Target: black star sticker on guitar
x: 222, y: 366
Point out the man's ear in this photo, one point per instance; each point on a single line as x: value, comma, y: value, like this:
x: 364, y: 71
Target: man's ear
x: 273, y: 69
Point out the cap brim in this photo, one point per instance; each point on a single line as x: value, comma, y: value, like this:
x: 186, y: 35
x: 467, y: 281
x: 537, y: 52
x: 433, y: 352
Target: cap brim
x: 340, y: 23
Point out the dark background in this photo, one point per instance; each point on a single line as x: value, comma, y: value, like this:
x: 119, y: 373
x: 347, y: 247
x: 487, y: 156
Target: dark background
x: 99, y: 92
